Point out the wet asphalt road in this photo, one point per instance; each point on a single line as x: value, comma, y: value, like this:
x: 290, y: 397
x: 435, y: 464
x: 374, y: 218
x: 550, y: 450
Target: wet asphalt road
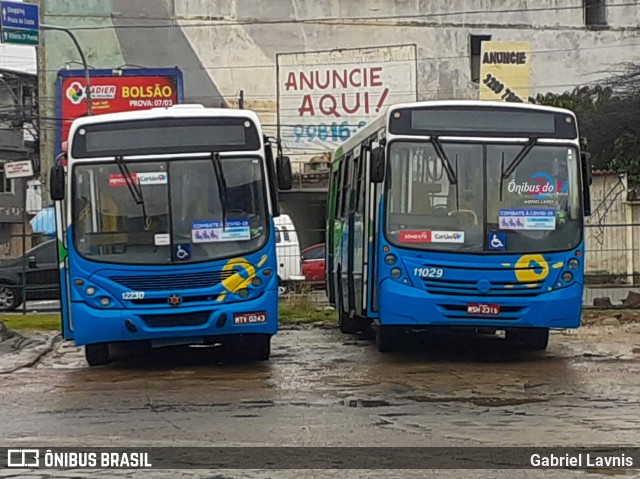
x: 325, y: 389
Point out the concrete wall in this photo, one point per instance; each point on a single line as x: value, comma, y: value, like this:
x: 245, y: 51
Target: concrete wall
x: 613, y: 232
x: 228, y: 45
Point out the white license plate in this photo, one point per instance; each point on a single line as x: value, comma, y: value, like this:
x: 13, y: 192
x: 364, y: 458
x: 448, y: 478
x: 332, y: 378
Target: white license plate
x: 250, y: 318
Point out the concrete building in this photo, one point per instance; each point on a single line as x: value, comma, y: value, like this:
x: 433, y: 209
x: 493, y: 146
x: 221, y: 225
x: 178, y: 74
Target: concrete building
x: 395, y: 50
x: 18, y: 141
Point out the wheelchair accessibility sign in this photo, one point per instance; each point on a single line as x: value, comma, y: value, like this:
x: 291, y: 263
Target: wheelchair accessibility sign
x: 497, y: 241
x: 182, y: 251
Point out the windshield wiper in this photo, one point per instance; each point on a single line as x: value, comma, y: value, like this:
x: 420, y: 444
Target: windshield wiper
x: 445, y: 161
x: 519, y: 158
x: 222, y: 186
x: 134, y: 189
x: 522, y: 154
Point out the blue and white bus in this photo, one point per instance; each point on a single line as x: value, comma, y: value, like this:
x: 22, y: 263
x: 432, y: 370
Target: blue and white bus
x: 165, y: 230
x: 459, y: 214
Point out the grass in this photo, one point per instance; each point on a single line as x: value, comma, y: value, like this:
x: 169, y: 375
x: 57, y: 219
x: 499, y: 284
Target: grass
x: 49, y: 322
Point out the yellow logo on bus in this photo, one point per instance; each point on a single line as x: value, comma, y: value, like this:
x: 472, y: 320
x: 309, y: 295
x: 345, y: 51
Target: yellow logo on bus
x: 239, y: 280
x: 531, y: 268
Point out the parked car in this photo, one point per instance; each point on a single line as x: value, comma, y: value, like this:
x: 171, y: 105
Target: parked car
x: 313, y: 264
x: 288, y: 253
x: 40, y: 265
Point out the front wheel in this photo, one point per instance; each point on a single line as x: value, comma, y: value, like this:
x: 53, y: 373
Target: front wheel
x: 387, y: 338
x: 97, y: 354
x: 9, y: 298
x: 532, y: 339
x: 258, y: 347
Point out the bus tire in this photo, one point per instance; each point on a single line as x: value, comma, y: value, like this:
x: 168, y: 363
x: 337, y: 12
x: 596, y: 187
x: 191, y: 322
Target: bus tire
x: 97, y: 354
x: 387, y: 338
x: 536, y: 339
x: 258, y: 347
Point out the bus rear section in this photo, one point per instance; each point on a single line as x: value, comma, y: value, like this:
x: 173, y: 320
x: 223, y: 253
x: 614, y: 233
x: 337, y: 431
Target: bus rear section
x: 166, y: 232
x: 475, y: 223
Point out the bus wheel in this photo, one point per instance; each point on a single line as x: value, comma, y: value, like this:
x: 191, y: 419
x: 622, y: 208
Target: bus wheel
x: 537, y: 339
x: 532, y: 339
x: 97, y: 354
x: 387, y: 338
x: 258, y: 347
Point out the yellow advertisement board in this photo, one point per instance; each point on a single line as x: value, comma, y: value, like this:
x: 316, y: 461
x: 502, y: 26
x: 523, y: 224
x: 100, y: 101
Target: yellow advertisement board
x: 504, y: 71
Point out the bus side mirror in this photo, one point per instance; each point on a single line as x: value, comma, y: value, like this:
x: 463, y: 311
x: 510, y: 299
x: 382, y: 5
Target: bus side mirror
x: 377, y: 165
x: 586, y: 161
x: 56, y: 183
x: 283, y: 171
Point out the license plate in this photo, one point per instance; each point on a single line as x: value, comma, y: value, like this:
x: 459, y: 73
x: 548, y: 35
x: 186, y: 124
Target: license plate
x: 483, y: 309
x: 250, y: 318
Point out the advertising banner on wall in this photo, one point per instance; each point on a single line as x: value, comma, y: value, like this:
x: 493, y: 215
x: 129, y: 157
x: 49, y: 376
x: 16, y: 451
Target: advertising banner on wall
x: 324, y: 97
x: 124, y: 90
x: 505, y: 71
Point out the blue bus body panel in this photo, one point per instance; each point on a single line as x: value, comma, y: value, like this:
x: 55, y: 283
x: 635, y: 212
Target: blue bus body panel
x: 207, y: 292
x: 436, y: 287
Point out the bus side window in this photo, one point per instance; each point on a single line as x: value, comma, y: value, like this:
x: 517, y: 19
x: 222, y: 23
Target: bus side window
x: 278, y: 237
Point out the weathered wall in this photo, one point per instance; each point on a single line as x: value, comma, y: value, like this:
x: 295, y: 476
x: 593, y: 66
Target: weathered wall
x: 228, y: 45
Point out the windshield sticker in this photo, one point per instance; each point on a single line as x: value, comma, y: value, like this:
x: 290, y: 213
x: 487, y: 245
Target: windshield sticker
x: 162, y: 239
x: 542, y: 186
x: 497, y: 241
x: 211, y: 231
x: 182, y: 251
x: 447, y: 236
x: 119, y: 180
x: 525, y: 219
x: 415, y: 236
x: 159, y: 178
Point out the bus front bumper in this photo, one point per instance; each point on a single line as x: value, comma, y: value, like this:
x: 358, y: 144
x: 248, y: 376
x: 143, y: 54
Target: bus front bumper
x: 93, y: 325
x: 403, y: 305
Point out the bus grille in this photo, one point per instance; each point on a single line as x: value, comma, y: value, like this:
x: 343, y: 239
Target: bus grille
x: 175, y: 320
x: 453, y: 287
x: 172, y: 281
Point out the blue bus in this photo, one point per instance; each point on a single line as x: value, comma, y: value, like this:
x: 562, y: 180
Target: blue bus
x: 459, y: 215
x: 165, y: 230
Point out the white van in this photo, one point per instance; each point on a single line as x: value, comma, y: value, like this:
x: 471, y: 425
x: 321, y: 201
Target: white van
x: 288, y: 254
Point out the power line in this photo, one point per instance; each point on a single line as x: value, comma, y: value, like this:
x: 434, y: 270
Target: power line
x: 339, y: 21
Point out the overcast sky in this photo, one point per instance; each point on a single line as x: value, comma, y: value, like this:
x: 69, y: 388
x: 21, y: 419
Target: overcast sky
x: 14, y: 57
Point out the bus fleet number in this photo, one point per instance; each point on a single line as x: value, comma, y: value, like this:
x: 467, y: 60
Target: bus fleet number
x: 428, y: 272
x: 133, y: 295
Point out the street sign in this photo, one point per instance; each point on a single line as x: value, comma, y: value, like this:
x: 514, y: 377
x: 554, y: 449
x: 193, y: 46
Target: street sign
x: 20, y: 23
x: 18, y: 169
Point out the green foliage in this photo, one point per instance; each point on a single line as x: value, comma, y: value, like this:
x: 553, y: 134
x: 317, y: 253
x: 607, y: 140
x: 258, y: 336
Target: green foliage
x: 609, y: 119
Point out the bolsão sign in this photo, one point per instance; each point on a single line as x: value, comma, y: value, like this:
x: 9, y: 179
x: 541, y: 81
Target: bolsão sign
x: 325, y: 97
x: 134, y: 89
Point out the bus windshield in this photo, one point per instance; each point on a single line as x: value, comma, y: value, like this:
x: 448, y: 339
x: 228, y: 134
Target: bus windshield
x: 536, y: 208
x: 169, y: 210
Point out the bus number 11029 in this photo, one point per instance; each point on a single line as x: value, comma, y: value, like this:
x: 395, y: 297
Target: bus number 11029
x: 428, y: 272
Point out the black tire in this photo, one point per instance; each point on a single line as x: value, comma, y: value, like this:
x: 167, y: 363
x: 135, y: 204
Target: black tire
x: 387, y: 338
x: 258, y: 347
x: 346, y: 324
x: 97, y: 354
x: 532, y: 339
x: 9, y: 298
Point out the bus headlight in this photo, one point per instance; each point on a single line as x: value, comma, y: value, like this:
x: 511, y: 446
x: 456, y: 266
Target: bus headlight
x: 567, y: 277
x: 396, y: 273
x: 573, y: 263
x: 256, y: 281
x: 105, y: 302
x: 390, y: 259
x: 243, y: 293
x: 90, y: 291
